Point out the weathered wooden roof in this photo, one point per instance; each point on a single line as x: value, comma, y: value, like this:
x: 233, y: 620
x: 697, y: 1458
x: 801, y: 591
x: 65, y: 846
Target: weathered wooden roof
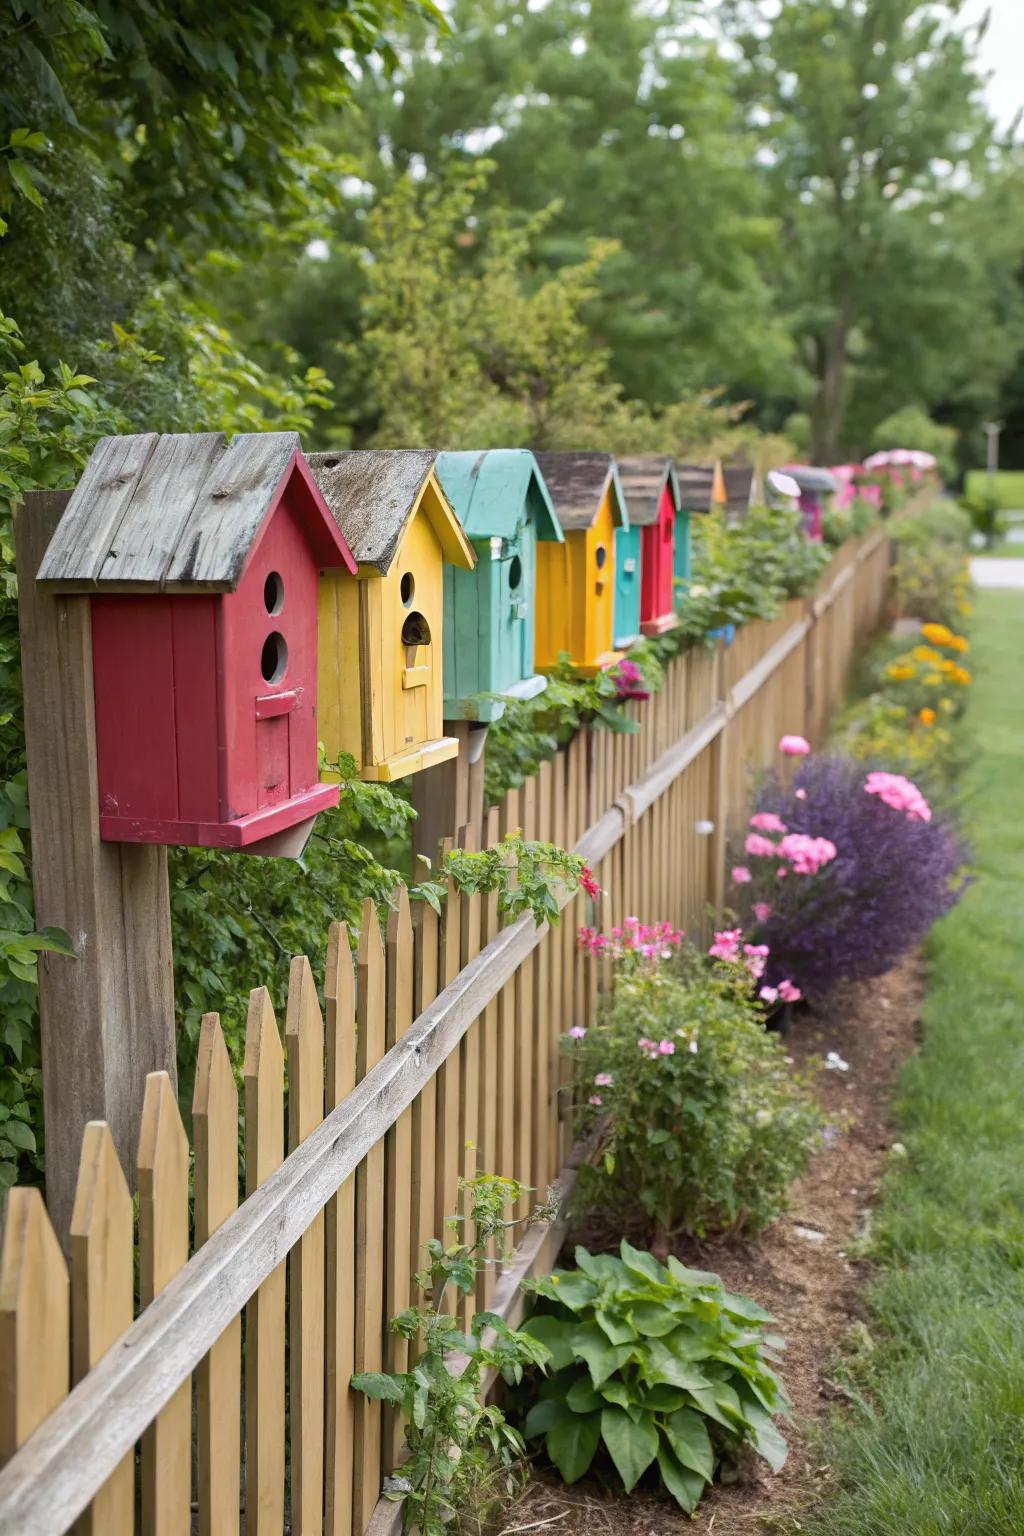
x: 643, y: 479
x: 489, y: 489
x: 696, y: 486
x: 810, y: 478
x: 577, y: 483
x: 372, y: 494
x: 739, y: 484
x: 181, y: 512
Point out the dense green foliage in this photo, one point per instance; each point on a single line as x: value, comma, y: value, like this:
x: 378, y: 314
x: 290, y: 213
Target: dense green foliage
x: 658, y: 1366
x: 936, y: 1443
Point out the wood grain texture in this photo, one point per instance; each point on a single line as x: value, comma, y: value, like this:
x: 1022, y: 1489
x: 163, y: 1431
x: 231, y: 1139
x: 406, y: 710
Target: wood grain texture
x: 369, y: 1297
x: 217, y: 535
x: 112, y: 899
x: 340, y: 1241
x: 424, y: 1105
x: 304, y: 1033
x: 219, y: 1377
x: 265, y: 1315
x: 163, y: 1251
x: 397, y: 1164
x: 102, y: 1301
x: 95, y: 508
x: 469, y: 1064
x: 34, y: 1321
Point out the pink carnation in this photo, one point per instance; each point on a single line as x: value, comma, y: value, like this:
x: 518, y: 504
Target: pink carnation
x: 666, y: 1048
x: 577, y: 1032
x: 727, y: 944
x: 801, y: 794
x: 603, y: 1080
x: 759, y: 847
x: 789, y: 993
x: 769, y: 994
x: 755, y: 959
x: 767, y: 821
x: 794, y: 746
x: 806, y: 854
x: 741, y: 875
x: 762, y: 911
x: 596, y: 1100
x: 899, y: 793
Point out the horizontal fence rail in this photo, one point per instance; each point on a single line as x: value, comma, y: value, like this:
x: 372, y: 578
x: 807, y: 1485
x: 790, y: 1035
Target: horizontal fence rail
x: 442, y: 1057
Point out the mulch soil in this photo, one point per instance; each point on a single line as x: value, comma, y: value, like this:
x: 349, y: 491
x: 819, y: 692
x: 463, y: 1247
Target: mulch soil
x: 801, y: 1269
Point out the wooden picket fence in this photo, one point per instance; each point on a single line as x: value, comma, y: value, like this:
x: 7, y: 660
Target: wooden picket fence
x: 437, y: 1054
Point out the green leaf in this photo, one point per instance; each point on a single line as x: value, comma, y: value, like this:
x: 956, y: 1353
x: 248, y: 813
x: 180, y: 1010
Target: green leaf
x: 556, y: 1334
x: 768, y: 1442
x: 19, y: 1134
x: 692, y: 1277
x: 22, y: 178
x: 632, y: 1446
x: 581, y: 1397
x: 643, y: 1264
x: 602, y: 1358
x: 664, y: 1365
x: 541, y: 1417
x: 617, y: 1329
x: 571, y: 1444
x: 573, y: 1290
x: 684, y: 1485
x: 652, y: 1320
x: 688, y: 1436
x: 380, y: 1386
x: 661, y: 1398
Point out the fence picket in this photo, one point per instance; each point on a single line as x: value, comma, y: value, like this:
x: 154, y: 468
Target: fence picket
x: 397, y: 1158
x: 340, y: 1242
x: 304, y: 1035
x: 424, y: 1106
x: 264, y: 1315
x: 469, y: 1058
x: 34, y: 1320
x: 369, y: 1228
x: 487, y: 1116
x: 449, y: 1161
x: 102, y: 1297
x: 163, y: 1250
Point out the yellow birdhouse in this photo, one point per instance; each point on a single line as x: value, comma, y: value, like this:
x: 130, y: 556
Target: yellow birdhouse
x: 576, y: 580
x: 381, y: 675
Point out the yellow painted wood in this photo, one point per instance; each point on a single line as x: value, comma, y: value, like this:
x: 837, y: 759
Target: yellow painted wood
x: 449, y: 1153
x: 34, y: 1318
x: 304, y: 1035
x: 340, y: 705
x: 369, y: 1296
x: 340, y: 1240
x: 424, y: 1106
x: 576, y: 597
x: 469, y: 1062
x: 102, y: 1301
x: 264, y: 1315
x: 397, y: 1161
x: 163, y: 1250
x: 524, y: 1047
x: 487, y: 1129
x: 219, y: 1377
x: 718, y: 492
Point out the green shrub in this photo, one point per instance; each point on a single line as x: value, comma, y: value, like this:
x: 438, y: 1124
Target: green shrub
x: 850, y: 522
x: 701, y: 1123
x: 660, y: 1365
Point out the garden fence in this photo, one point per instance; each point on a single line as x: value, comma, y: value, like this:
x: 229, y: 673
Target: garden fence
x: 437, y: 1054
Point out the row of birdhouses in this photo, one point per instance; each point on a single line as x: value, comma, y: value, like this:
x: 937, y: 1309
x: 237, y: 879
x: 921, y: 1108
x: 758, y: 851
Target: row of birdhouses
x: 248, y: 602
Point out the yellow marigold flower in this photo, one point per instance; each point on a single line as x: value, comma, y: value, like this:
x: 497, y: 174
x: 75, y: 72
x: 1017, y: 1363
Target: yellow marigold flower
x: 947, y: 706
x: 961, y: 675
x: 946, y: 664
x: 926, y: 716
x: 932, y: 679
x: 958, y: 643
x: 938, y: 634
x: 925, y: 654
x: 899, y: 671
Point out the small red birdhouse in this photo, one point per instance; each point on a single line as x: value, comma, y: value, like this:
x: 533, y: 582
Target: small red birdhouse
x: 651, y: 489
x: 202, y: 562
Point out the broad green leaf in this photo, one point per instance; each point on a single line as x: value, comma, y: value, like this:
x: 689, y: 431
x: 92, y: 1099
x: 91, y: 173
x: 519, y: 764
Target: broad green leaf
x: 20, y: 1135
x: 643, y: 1264
x: 652, y: 1320
x: 632, y: 1446
x: 742, y: 1306
x: 661, y: 1398
x: 684, y: 1485
x: 571, y: 1444
x: 688, y: 1436
x: 556, y: 1334
x: 663, y: 1364
x: 690, y: 1277
x: 768, y: 1442
x: 617, y: 1328
x: 541, y: 1417
x: 616, y: 1391
x: 602, y: 1358
x: 599, y: 1266
x: 379, y: 1385
x: 574, y: 1291
x: 582, y: 1398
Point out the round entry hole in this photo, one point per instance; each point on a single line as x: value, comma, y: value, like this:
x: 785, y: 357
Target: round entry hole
x: 515, y: 572
x: 408, y: 588
x: 601, y: 556
x: 273, y: 593
x: 274, y: 659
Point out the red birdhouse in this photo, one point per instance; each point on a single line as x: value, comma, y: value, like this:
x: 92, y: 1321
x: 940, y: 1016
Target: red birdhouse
x: 651, y: 489
x: 202, y: 562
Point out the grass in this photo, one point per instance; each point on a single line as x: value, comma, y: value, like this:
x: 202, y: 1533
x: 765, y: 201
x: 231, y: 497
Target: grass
x: 1009, y: 486
x: 941, y: 1447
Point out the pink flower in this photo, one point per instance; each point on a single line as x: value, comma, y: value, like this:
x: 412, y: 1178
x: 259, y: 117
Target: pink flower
x: 806, y: 854
x: 801, y: 794
x: 741, y: 875
x: 603, y: 1080
x: 727, y: 944
x: 577, y: 1032
x: 767, y: 821
x: 759, y: 847
x: 589, y: 882
x: 899, y: 793
x: 596, y: 1100
x: 789, y: 993
x: 645, y: 1044
x: 666, y: 1048
x: 794, y: 746
x: 762, y: 911
x: 756, y: 958
x: 769, y: 994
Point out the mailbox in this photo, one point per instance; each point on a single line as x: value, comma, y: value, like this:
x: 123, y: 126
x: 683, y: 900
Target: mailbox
x: 651, y: 488
x: 201, y: 560
x: 381, y: 668
x: 576, y: 580
x: 504, y: 507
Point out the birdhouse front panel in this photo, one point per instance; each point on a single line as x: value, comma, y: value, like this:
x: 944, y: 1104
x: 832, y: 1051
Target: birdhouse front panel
x: 682, y: 549
x: 203, y: 560
x: 411, y: 600
x: 513, y: 575
x: 626, y: 623
x: 576, y: 580
x: 657, y: 603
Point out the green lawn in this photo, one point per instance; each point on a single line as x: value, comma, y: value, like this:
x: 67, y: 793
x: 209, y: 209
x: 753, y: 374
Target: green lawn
x: 1009, y: 486
x: 942, y: 1448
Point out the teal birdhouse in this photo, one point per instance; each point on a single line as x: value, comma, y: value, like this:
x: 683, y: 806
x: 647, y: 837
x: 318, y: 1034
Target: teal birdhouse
x: 626, y: 618
x: 501, y: 500
x: 696, y: 493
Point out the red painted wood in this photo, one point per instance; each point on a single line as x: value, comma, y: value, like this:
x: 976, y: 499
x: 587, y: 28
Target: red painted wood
x: 657, y: 556
x: 206, y: 704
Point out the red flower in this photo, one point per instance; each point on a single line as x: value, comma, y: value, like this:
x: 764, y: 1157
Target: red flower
x: 589, y: 883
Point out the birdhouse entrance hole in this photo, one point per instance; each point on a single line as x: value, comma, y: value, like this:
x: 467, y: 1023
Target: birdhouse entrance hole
x: 415, y: 631
x: 274, y: 658
x: 408, y: 590
x: 515, y: 572
x: 273, y: 593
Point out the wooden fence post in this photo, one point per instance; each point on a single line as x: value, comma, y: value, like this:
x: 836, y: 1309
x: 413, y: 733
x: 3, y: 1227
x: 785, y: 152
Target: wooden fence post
x: 106, y: 1016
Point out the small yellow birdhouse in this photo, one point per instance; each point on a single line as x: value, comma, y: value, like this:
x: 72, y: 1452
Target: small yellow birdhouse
x: 576, y: 580
x: 381, y: 675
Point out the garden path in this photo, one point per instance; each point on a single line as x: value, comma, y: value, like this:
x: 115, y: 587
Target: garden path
x: 989, y: 572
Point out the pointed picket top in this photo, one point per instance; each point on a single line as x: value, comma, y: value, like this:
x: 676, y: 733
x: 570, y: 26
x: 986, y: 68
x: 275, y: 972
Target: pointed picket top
x: 340, y: 995
x: 163, y: 1186
x: 370, y: 956
x: 215, y: 1123
x: 264, y: 1090
x: 102, y: 1297
x: 304, y: 1034
x: 399, y: 950
x: 34, y: 1320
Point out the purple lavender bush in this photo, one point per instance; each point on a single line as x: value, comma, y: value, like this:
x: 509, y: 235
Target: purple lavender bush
x: 897, y: 868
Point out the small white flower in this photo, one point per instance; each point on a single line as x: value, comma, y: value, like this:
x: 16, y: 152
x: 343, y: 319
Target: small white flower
x: 835, y: 1063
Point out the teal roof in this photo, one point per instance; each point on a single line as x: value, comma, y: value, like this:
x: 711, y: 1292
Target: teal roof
x: 489, y: 489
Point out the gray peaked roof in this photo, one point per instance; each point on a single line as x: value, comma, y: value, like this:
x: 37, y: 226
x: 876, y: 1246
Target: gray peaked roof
x: 180, y: 512
x: 372, y: 494
x: 577, y: 482
x: 643, y: 480
x: 696, y: 483
x: 739, y: 483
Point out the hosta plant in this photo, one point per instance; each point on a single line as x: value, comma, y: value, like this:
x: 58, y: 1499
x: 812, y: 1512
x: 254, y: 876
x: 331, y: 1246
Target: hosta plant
x: 656, y: 1366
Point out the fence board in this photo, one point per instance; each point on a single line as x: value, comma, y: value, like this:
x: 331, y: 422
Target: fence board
x: 469, y: 1060
x: 340, y: 1242
x: 163, y: 1250
x: 369, y: 1229
x: 424, y: 1105
x: 397, y: 1159
x: 34, y: 1318
x: 219, y: 1377
x: 265, y: 1316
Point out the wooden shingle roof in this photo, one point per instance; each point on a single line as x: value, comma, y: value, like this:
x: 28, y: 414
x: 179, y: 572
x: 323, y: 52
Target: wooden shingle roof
x: 372, y: 494
x: 739, y: 482
x: 489, y: 489
x: 696, y: 486
x: 643, y: 480
x: 577, y: 483
x: 181, y: 512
